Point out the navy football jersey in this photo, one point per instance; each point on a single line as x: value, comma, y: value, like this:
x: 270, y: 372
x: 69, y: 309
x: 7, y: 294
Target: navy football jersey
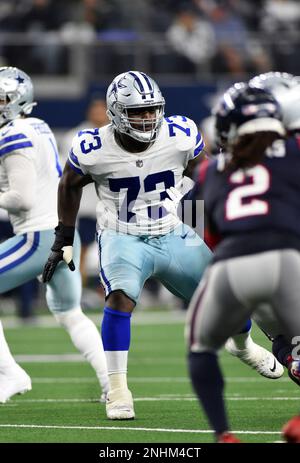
x: 258, y: 208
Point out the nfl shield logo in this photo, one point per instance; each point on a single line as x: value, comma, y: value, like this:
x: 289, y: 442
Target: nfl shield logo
x: 139, y: 163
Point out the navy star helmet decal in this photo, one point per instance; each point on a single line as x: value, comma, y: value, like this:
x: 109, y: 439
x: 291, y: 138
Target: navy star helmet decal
x: 20, y: 79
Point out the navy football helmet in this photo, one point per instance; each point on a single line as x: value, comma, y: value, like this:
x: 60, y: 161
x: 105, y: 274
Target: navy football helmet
x: 246, y: 109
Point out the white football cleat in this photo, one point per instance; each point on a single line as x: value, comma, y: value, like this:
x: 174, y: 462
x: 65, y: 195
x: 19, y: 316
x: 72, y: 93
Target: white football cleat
x: 119, y: 405
x: 258, y: 358
x: 16, y: 382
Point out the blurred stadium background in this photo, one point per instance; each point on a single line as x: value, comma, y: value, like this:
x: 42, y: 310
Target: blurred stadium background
x: 194, y: 49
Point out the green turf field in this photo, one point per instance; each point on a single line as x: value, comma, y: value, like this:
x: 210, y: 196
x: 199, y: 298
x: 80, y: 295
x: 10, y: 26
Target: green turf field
x: 63, y: 405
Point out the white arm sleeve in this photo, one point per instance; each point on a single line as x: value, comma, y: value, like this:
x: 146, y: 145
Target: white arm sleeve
x: 22, y: 184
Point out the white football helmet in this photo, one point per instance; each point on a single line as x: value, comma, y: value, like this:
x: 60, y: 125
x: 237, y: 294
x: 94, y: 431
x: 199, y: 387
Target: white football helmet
x: 16, y: 94
x: 134, y: 89
x: 286, y: 89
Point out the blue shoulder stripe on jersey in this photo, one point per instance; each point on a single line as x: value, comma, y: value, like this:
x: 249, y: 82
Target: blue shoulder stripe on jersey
x: 17, y: 136
x: 198, y: 138
x: 14, y: 147
x: 74, y: 158
x: 76, y: 169
x: 199, y: 148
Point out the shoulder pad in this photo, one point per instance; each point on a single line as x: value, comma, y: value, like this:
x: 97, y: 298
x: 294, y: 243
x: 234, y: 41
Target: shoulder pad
x: 184, y: 131
x: 86, y: 144
x: 15, y: 127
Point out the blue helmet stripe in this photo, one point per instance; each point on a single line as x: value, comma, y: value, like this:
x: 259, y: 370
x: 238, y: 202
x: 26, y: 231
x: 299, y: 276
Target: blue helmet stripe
x: 139, y: 82
x: 149, y: 84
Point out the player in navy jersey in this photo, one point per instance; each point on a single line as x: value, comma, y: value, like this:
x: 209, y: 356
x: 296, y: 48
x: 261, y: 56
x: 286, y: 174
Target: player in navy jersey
x: 286, y: 89
x: 252, y: 199
x: 132, y: 162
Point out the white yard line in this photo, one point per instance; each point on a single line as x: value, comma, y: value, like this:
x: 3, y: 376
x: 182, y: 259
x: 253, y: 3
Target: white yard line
x: 73, y: 357
x: 157, y: 399
x: 151, y: 379
x: 49, y: 358
x: 125, y: 428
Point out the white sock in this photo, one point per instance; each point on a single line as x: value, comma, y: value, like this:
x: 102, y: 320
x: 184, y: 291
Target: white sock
x: 7, y: 362
x: 117, y: 373
x: 242, y: 341
x: 118, y: 381
x: 86, y: 338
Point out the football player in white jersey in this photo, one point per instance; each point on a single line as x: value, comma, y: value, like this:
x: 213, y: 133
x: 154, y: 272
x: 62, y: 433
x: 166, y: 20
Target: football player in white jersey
x: 132, y: 162
x: 29, y: 176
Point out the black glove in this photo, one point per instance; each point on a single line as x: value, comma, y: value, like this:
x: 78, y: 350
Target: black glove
x: 62, y: 249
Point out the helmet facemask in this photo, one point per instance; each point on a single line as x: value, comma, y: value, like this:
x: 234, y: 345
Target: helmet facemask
x: 139, y: 128
x: 4, y: 108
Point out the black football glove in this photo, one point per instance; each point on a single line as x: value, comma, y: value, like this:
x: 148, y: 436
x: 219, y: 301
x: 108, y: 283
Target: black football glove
x: 62, y: 249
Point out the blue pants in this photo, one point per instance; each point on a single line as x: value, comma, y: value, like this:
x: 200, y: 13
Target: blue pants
x: 23, y: 257
x: 177, y: 259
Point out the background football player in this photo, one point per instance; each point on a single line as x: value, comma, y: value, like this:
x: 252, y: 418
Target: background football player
x: 257, y: 259
x: 30, y: 172
x: 286, y: 89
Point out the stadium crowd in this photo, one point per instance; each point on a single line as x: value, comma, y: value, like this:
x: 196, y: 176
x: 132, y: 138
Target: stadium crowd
x: 199, y: 36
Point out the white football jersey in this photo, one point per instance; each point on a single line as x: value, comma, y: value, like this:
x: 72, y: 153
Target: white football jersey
x: 132, y: 186
x: 32, y: 137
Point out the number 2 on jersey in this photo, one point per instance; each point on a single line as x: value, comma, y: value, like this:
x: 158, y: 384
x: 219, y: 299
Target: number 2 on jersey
x: 241, y: 201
